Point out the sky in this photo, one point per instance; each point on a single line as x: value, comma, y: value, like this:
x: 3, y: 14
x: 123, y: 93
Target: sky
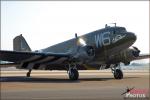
x: 45, y: 23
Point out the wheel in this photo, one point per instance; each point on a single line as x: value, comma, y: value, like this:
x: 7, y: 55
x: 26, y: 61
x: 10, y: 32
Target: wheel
x: 73, y: 74
x: 118, y: 74
x: 28, y: 74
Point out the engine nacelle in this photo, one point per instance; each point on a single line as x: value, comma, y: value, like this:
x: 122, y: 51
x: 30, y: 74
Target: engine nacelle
x: 84, y: 53
x: 130, y: 54
x: 126, y: 56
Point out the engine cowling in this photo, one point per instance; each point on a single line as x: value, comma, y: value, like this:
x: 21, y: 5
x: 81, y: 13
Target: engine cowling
x: 126, y: 56
x: 135, y: 51
x: 84, y: 53
x: 130, y: 54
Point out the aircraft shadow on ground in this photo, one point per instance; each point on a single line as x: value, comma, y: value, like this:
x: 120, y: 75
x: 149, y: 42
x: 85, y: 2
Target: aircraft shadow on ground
x: 51, y: 80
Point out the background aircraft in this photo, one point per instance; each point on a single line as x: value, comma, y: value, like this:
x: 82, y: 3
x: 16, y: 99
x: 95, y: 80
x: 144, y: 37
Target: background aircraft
x: 101, y: 49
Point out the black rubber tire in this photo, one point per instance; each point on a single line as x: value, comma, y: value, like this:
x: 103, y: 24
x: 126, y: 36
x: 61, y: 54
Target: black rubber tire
x: 73, y: 75
x: 118, y: 74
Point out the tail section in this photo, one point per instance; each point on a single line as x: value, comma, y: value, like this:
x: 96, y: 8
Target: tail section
x: 20, y: 44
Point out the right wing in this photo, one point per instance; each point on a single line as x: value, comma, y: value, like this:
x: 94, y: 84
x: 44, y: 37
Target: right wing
x: 142, y: 56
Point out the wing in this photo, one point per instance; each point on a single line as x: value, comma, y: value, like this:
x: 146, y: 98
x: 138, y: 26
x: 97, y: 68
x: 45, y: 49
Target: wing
x: 27, y: 59
x: 142, y: 56
x: 5, y: 64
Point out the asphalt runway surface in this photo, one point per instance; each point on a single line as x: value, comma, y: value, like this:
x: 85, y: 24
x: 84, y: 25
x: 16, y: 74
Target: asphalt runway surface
x: 55, y: 85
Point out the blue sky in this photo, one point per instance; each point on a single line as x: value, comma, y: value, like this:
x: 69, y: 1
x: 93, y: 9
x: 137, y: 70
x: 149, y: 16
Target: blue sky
x: 44, y: 23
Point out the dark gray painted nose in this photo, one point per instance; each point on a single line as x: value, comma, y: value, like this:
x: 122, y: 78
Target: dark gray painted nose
x: 131, y: 36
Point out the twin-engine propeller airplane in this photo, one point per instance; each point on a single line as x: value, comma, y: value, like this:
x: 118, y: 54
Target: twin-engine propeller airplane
x: 100, y: 49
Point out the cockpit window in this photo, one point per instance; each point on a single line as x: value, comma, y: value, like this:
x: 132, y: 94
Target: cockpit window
x: 119, y: 30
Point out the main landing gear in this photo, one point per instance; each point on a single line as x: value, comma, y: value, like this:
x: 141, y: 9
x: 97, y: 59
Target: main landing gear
x: 73, y: 72
x: 116, y: 70
x: 29, y: 72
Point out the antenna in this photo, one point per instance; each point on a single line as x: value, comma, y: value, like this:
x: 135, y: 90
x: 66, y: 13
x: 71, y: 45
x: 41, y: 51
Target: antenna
x: 110, y: 24
x: 113, y: 24
x: 76, y: 36
x: 76, y: 40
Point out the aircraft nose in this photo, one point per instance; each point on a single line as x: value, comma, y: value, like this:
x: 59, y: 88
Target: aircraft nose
x: 131, y: 36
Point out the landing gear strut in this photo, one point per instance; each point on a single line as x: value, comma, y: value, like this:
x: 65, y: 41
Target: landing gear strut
x: 29, y: 72
x: 73, y: 72
x: 116, y: 70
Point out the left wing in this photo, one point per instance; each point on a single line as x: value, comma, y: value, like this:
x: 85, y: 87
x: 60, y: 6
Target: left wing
x: 7, y: 64
x: 26, y: 58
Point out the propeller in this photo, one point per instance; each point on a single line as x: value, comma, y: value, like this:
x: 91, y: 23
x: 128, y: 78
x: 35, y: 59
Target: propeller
x: 136, y: 51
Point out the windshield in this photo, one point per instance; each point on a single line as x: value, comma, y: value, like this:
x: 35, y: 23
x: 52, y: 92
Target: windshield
x: 120, y: 30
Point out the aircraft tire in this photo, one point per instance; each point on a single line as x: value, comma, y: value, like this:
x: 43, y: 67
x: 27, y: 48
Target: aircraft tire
x: 73, y: 74
x: 118, y: 74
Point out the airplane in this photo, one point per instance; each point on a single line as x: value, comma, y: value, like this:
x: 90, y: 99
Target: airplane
x: 101, y: 49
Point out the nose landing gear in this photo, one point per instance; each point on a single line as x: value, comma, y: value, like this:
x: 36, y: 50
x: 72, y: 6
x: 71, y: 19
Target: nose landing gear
x: 29, y: 72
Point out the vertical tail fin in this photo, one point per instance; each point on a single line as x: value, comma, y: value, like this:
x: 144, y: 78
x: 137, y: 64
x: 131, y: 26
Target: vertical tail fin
x: 20, y: 44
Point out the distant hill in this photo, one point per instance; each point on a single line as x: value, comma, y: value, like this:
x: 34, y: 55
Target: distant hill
x: 137, y: 65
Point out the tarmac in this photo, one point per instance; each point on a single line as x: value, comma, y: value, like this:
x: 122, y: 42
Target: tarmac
x: 55, y: 85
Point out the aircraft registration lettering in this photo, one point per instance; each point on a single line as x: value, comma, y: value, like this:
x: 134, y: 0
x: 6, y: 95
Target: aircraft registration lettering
x: 102, y: 39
